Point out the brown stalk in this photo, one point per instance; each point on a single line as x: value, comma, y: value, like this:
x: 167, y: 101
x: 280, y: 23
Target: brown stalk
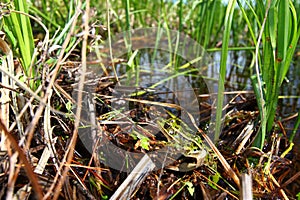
x: 23, y: 159
x: 70, y: 151
x: 48, y: 91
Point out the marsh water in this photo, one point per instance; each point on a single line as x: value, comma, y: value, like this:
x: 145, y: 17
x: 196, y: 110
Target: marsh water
x: 154, y: 71
x: 238, y: 78
x: 238, y: 74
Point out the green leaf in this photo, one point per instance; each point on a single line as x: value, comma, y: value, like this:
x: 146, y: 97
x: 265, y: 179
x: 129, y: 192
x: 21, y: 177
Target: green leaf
x: 283, y: 29
x: 133, y: 135
x: 190, y: 187
x: 10, y: 36
x: 295, y: 34
x: 215, y: 178
x: 273, y: 20
x: 69, y: 106
x: 144, y: 142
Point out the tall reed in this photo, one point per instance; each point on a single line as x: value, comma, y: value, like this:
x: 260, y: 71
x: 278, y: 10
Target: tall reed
x: 225, y: 41
x: 279, y: 33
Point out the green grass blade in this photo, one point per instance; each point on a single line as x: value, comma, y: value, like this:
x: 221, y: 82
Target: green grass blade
x: 295, y: 34
x: 35, y: 10
x: 297, y: 124
x: 279, y: 64
x: 273, y: 20
x: 255, y: 14
x: 260, y: 98
x: 127, y: 12
x: 209, y: 23
x: 180, y: 16
x: 226, y: 37
x: 18, y: 26
x: 26, y: 26
x: 248, y: 22
x: 283, y: 29
x: 259, y: 82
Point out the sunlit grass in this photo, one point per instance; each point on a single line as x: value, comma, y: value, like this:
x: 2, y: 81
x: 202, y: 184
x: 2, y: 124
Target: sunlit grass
x: 18, y: 29
x: 267, y: 30
x: 279, y: 35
